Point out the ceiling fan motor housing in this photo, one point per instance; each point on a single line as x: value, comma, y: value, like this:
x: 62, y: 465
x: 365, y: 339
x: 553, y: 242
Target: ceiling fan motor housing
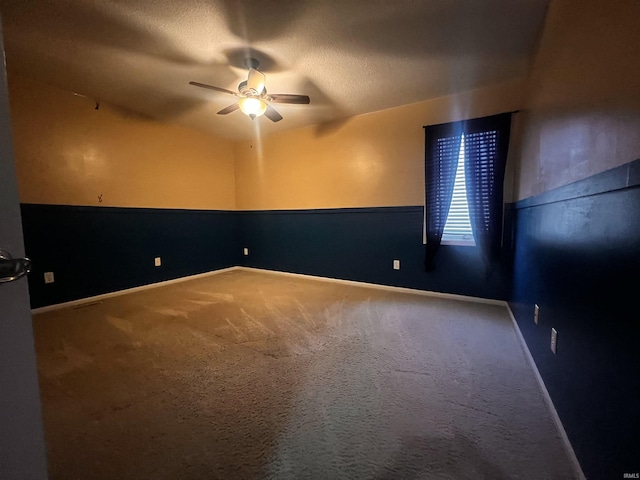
x: 245, y: 90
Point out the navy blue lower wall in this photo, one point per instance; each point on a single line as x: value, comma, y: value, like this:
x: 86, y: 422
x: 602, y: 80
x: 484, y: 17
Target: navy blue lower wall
x: 361, y: 244
x: 95, y: 250
x: 577, y: 255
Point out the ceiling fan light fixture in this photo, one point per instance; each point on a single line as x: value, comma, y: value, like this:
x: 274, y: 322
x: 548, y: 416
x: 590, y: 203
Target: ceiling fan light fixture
x: 254, y: 100
x: 252, y: 107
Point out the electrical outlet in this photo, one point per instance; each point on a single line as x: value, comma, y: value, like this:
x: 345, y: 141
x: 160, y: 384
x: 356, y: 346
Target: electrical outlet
x: 396, y: 264
x: 536, y: 314
x: 157, y: 262
x: 554, y: 340
x: 48, y: 277
x: 245, y: 251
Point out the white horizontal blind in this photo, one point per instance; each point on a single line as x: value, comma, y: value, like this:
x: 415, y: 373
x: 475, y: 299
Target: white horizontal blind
x: 457, y: 229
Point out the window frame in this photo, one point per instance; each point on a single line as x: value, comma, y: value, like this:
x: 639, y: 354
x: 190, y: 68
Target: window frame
x: 460, y: 242
x: 486, y: 152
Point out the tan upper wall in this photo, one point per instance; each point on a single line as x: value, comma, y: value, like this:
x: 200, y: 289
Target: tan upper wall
x: 365, y: 161
x: 69, y: 153
x: 582, y: 100
x: 579, y: 116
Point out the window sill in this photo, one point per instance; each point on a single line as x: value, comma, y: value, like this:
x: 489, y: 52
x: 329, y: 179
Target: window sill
x: 459, y: 243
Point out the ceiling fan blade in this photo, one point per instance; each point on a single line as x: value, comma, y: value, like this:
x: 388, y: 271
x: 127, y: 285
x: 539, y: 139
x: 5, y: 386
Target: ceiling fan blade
x: 272, y: 114
x: 289, y: 98
x: 231, y: 108
x: 211, y: 87
x: 256, y: 80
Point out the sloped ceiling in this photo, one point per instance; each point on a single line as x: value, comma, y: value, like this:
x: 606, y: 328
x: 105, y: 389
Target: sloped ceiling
x: 350, y: 56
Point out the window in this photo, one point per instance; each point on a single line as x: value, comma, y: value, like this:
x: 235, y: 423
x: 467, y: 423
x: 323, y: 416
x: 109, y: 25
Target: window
x: 464, y: 181
x: 457, y: 229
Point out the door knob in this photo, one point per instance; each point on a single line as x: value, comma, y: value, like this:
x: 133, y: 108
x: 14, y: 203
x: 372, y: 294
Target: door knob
x: 12, y: 268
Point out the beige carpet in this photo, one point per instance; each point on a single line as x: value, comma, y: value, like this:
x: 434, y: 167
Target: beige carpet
x: 247, y: 375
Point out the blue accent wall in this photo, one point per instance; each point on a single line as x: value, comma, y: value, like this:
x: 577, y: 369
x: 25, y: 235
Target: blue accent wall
x: 96, y: 250
x: 360, y: 244
x: 577, y: 255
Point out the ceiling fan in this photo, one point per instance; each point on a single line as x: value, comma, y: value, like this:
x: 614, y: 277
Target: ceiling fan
x: 254, y: 99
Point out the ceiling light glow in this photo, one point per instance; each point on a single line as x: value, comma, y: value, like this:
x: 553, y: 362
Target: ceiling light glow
x: 253, y: 107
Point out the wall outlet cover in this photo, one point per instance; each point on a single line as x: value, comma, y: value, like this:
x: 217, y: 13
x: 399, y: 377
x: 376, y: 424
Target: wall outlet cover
x: 245, y: 251
x: 157, y: 262
x: 48, y: 277
x: 396, y: 264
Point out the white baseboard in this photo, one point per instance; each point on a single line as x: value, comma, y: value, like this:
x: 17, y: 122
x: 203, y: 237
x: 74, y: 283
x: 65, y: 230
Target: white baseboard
x: 414, y: 291
x: 547, y: 398
x: 96, y: 298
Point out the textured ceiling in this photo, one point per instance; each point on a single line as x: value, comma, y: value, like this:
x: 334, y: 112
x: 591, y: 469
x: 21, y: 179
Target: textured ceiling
x: 349, y: 56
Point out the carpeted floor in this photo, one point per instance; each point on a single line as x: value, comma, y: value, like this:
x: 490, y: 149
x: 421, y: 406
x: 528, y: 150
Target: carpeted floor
x: 247, y: 375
